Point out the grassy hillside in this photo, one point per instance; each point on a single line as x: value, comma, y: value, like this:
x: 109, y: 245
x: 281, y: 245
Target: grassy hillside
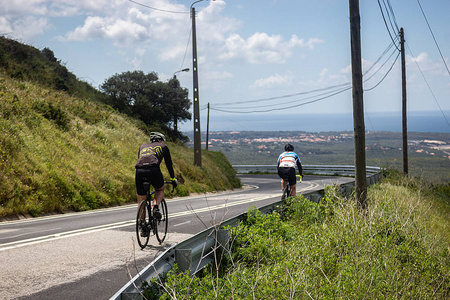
x: 60, y: 153
x: 27, y: 63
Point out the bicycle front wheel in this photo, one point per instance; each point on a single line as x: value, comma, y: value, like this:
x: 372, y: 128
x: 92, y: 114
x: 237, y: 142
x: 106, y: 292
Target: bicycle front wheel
x: 161, y: 224
x: 143, y: 224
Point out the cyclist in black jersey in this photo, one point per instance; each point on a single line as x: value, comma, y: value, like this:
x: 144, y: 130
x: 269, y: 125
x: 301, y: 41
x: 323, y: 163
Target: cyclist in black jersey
x: 150, y: 156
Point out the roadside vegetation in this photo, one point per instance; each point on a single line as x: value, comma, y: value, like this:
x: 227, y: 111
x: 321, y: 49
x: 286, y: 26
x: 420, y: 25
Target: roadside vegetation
x: 398, y: 249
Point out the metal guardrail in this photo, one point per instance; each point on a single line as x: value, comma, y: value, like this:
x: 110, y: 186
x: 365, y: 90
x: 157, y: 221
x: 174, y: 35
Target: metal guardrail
x: 198, y: 251
x: 342, y: 170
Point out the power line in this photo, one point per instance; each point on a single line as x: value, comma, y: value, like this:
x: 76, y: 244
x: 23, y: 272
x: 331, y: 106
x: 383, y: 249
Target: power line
x: 187, y: 46
x: 391, y: 19
x: 158, y: 9
x: 387, y: 27
x: 278, y: 104
x: 384, y: 75
x: 283, y: 108
x: 283, y: 96
x: 336, y: 89
x: 429, y: 27
x: 429, y: 87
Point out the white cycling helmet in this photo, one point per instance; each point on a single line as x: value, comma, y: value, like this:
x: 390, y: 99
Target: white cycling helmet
x: 157, y: 136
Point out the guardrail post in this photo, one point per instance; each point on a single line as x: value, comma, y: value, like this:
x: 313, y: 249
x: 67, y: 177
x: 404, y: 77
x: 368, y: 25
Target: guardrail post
x: 195, y: 258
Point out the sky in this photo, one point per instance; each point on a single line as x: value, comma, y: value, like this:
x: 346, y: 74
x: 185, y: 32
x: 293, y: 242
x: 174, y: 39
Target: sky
x: 256, y: 58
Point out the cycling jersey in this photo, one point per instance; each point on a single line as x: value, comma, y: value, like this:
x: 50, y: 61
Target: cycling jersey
x: 152, y: 154
x: 289, y: 160
x: 286, y: 166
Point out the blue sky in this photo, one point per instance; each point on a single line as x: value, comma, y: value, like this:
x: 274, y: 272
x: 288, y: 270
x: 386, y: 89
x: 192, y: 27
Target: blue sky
x: 256, y: 57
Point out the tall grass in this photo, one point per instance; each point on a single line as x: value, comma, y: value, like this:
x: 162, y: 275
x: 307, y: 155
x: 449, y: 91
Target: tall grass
x: 399, y: 249
x: 60, y: 153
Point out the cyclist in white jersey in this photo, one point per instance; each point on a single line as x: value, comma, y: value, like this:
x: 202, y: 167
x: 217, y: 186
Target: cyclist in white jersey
x: 287, y: 161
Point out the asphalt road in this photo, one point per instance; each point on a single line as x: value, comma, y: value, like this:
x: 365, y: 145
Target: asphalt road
x: 91, y: 255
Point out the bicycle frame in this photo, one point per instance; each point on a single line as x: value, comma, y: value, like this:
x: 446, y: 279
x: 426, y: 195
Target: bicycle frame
x: 147, y: 222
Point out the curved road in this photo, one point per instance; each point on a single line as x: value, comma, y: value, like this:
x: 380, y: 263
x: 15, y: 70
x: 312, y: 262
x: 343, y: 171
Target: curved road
x: 91, y: 255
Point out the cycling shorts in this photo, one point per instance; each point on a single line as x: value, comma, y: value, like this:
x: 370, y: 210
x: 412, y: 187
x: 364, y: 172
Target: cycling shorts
x: 288, y: 174
x: 150, y: 174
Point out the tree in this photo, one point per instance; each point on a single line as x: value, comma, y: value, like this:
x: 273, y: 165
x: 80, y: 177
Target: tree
x: 180, y: 105
x: 123, y: 89
x: 145, y: 97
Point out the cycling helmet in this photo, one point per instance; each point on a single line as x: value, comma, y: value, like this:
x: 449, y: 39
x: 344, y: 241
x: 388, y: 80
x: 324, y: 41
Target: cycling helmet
x: 157, y: 136
x: 288, y: 147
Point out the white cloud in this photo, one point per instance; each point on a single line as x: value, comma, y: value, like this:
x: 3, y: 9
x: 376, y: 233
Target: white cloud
x: 23, y: 28
x: 263, y: 48
x: 214, y: 80
x: 273, y: 81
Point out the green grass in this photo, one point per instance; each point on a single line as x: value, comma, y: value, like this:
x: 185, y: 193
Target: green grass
x: 61, y: 153
x: 398, y: 249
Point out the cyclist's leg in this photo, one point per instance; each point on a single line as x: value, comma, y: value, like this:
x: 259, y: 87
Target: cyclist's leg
x: 283, y: 176
x: 158, y: 184
x: 159, y: 195
x: 292, y: 182
x: 293, y: 190
x: 140, y: 191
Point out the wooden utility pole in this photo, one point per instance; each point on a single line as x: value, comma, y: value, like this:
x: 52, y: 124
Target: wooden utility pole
x: 404, y: 120
x: 207, y: 129
x: 358, y: 106
x: 197, y: 132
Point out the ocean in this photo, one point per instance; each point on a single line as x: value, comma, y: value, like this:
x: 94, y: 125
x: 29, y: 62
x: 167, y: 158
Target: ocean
x: 425, y: 121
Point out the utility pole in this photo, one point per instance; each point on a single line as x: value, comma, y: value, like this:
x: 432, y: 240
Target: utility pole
x: 358, y: 106
x: 207, y: 129
x: 197, y: 132
x: 404, y: 119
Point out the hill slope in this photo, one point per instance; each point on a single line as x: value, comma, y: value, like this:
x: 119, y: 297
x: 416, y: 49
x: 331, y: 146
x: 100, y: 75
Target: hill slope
x: 59, y: 152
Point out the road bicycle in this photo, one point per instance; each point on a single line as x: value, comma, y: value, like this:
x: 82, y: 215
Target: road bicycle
x: 146, y: 221
x: 287, y: 189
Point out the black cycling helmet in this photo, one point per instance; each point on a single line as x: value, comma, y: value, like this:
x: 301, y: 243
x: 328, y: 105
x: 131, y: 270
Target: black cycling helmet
x: 288, y: 147
x: 157, y: 136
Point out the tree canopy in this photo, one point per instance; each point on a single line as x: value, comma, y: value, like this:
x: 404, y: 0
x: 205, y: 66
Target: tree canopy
x: 145, y: 97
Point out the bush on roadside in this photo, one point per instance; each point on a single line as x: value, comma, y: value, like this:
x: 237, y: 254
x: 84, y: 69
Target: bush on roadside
x: 333, y: 250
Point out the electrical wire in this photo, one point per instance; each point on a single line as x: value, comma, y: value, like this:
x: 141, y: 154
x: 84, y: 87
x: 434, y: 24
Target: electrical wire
x: 163, y: 10
x: 283, y: 108
x: 334, y: 87
x: 187, y: 46
x: 434, y: 38
x: 387, y: 27
x: 277, y: 104
x: 328, y: 92
x: 391, y: 15
x: 283, y: 96
x: 384, y: 75
x: 429, y: 87
x: 375, y: 63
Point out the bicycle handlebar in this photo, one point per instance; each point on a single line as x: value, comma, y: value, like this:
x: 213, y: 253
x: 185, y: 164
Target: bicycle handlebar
x: 170, y: 182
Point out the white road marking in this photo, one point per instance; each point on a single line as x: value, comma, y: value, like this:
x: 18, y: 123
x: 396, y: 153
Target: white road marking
x: 57, y: 236
x: 180, y: 224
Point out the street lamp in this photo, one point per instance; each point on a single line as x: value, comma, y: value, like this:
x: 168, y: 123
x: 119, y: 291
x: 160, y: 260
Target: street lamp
x: 175, y: 117
x: 183, y: 70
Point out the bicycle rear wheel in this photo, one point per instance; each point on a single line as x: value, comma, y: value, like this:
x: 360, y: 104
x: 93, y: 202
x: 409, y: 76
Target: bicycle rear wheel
x: 143, y: 224
x: 286, y: 193
x: 161, y: 224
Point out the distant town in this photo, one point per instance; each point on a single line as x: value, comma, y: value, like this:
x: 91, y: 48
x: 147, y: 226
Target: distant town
x: 375, y: 141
